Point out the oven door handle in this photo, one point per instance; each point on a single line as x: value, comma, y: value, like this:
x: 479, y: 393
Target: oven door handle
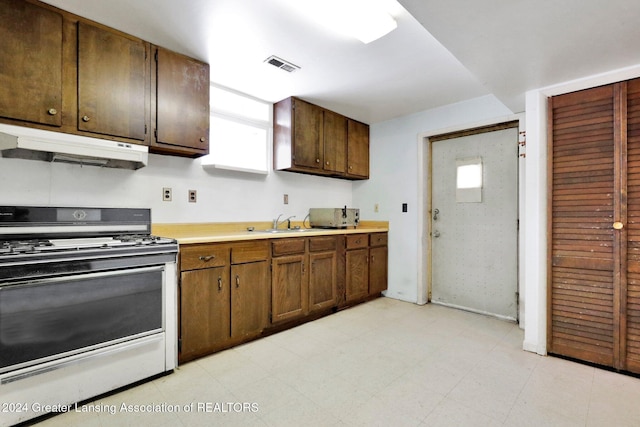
x: 82, y: 276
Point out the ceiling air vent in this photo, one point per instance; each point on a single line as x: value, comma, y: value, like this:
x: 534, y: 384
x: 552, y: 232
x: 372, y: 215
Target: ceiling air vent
x: 282, y: 64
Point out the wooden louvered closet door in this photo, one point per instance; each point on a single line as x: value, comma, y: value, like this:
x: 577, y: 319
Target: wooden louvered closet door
x: 594, y: 211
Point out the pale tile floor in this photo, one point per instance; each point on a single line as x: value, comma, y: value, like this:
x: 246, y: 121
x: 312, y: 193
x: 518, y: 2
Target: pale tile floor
x: 385, y: 363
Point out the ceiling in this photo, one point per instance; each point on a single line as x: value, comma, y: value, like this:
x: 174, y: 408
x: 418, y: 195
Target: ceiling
x: 442, y: 52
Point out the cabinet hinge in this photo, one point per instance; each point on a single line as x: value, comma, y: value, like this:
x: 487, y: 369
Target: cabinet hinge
x: 156, y: 55
x: 270, y: 317
x: 155, y: 133
x: 145, y: 129
x: 179, y: 345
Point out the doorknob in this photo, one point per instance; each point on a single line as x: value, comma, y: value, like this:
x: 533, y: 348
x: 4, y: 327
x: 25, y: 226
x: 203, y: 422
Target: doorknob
x: 436, y: 234
x: 435, y: 214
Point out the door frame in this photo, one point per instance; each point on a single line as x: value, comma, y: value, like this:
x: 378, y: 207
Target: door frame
x: 424, y: 202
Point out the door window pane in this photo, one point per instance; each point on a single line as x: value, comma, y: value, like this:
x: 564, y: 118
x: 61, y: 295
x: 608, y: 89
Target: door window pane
x: 469, y: 180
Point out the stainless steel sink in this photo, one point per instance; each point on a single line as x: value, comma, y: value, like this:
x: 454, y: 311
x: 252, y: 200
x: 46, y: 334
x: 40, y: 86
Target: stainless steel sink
x: 284, y: 230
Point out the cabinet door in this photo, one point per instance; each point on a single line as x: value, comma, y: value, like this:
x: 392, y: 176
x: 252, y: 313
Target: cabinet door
x: 31, y: 64
x: 112, y: 83
x: 249, y: 298
x: 322, y: 280
x: 377, y: 269
x: 289, y: 288
x: 335, y: 142
x: 204, y: 311
x: 182, y: 102
x: 357, y: 149
x: 307, y: 134
x: 357, y: 274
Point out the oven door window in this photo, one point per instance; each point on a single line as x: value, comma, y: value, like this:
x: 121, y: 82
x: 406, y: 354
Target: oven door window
x: 56, y: 317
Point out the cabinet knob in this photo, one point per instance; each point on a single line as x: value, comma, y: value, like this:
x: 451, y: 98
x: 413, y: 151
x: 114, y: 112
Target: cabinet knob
x: 618, y: 225
x: 86, y: 118
x: 203, y: 139
x: 327, y: 163
x: 219, y: 283
x: 207, y: 258
x: 52, y: 111
x: 237, y: 281
x: 350, y: 167
x: 317, y: 160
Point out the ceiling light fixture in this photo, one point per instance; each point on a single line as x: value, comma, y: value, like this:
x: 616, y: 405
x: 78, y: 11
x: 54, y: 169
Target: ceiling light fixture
x: 368, y: 24
x: 365, y: 20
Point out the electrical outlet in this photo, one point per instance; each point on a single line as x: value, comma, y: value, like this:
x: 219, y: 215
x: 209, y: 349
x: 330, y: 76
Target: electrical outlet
x: 166, y: 194
x: 286, y: 199
x: 404, y: 207
x: 376, y: 207
x: 192, y: 196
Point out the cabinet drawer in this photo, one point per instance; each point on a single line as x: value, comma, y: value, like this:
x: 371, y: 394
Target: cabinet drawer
x: 193, y: 257
x: 378, y: 239
x: 287, y: 246
x: 249, y: 251
x: 355, y: 241
x: 322, y: 244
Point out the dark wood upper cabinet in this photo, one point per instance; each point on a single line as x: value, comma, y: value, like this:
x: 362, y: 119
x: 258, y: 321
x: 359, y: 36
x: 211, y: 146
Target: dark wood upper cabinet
x: 113, y: 95
x: 307, y: 135
x: 313, y: 140
x: 181, y: 119
x: 335, y: 142
x: 65, y: 73
x: 31, y: 63
x: 358, y: 150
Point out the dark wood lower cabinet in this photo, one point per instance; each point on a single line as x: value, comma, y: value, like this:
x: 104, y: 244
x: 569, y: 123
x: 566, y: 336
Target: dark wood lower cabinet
x: 288, y: 287
x: 357, y: 274
x: 205, y: 309
x: 377, y: 269
x: 224, y: 296
x: 322, y: 280
x: 249, y: 299
x: 234, y: 292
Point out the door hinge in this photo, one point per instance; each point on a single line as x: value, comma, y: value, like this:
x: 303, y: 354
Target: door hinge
x: 522, y: 143
x: 156, y: 55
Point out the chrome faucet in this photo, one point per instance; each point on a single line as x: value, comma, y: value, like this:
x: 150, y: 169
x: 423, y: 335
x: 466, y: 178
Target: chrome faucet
x: 277, y: 222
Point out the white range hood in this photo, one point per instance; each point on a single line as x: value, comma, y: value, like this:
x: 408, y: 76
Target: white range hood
x: 35, y: 144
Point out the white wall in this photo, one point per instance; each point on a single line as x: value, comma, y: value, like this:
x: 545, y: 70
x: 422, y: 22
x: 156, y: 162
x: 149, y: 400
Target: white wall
x: 223, y: 196
x: 395, y: 178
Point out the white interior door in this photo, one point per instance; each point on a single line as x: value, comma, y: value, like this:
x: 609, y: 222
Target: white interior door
x: 474, y: 225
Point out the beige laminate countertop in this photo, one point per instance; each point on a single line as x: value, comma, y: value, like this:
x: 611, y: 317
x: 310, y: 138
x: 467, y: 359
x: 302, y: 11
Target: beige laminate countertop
x: 228, y: 232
